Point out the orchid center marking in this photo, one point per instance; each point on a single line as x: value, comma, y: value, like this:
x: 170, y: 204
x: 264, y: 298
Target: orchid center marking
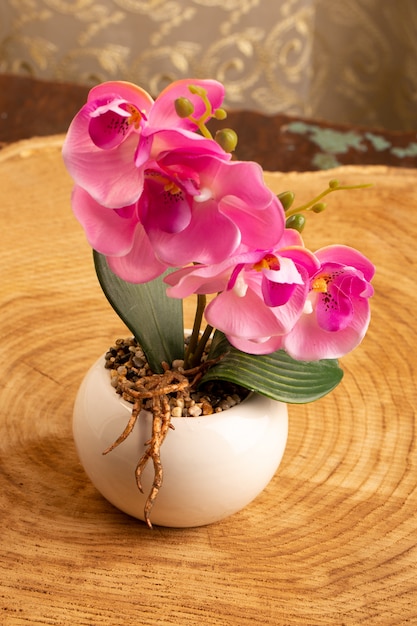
x: 169, y: 185
x: 172, y: 188
x: 135, y: 117
x: 320, y: 284
x: 269, y: 262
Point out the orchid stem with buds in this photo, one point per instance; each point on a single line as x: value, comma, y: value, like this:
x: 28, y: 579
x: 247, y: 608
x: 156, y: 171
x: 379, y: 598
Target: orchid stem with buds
x: 333, y: 186
x: 201, y: 121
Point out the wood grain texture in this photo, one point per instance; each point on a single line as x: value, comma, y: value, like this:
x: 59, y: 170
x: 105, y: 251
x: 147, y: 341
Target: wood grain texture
x: 333, y: 538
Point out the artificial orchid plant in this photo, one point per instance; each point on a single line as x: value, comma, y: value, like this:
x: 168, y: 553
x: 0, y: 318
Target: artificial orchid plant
x: 169, y: 213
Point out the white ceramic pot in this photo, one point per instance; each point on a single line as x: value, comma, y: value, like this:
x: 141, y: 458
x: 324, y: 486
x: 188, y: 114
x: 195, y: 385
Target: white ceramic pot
x: 213, y: 465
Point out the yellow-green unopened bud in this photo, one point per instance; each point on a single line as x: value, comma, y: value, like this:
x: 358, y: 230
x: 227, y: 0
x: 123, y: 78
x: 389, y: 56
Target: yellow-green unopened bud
x: 220, y: 114
x: 334, y: 183
x: 296, y: 222
x: 197, y: 90
x: 286, y: 198
x: 227, y: 139
x: 319, y: 207
x: 184, y: 107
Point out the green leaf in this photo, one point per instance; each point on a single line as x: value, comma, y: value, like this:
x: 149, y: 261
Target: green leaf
x: 155, y: 320
x: 275, y: 375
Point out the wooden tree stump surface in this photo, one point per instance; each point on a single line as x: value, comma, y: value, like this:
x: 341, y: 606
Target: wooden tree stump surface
x: 331, y: 540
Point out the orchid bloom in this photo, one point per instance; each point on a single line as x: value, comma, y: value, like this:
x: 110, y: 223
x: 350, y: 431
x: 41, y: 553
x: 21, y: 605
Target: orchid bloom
x: 101, y: 143
x: 263, y: 293
x: 194, y: 208
x: 198, y: 208
x: 337, y: 313
x: 111, y: 136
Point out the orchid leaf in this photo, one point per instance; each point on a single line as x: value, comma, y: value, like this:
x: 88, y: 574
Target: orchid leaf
x: 155, y: 320
x: 275, y: 375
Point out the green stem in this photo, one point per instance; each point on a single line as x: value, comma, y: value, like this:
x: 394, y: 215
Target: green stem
x: 193, y: 343
x: 308, y: 205
x: 201, y: 121
x: 201, y: 345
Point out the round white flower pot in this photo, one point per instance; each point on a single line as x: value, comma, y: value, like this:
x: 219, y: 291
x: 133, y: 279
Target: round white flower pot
x: 213, y: 465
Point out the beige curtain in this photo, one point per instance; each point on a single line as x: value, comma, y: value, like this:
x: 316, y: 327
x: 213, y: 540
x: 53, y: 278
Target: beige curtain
x: 351, y: 61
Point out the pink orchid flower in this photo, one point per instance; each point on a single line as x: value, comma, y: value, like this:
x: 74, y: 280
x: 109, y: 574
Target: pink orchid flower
x: 337, y: 313
x: 118, y: 234
x: 111, y: 136
x: 263, y: 293
x: 102, y: 140
x: 198, y: 208
x: 194, y: 209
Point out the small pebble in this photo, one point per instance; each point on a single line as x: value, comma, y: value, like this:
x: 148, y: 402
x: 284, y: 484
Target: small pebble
x: 230, y: 401
x: 207, y: 408
x: 138, y: 361
x: 195, y: 410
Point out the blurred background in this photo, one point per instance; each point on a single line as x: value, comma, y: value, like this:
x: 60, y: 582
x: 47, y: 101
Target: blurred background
x: 346, y: 62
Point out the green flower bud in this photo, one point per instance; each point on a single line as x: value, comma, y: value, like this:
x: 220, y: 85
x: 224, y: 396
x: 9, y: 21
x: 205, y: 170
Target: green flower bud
x: 319, y: 207
x: 184, y: 107
x: 227, y: 139
x: 197, y: 90
x: 220, y: 114
x: 296, y: 222
x: 334, y: 183
x: 286, y: 198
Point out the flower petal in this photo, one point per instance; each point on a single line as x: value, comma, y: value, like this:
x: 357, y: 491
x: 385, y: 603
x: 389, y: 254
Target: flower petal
x: 246, y: 316
x: 109, y: 176
x: 209, y: 238
x: 140, y: 264
x: 163, y: 113
x: 198, y: 279
x: 268, y: 345
x: 309, y: 342
x: 163, y: 205
x: 108, y: 231
x: 105, y: 166
x: 345, y: 255
x: 245, y: 199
